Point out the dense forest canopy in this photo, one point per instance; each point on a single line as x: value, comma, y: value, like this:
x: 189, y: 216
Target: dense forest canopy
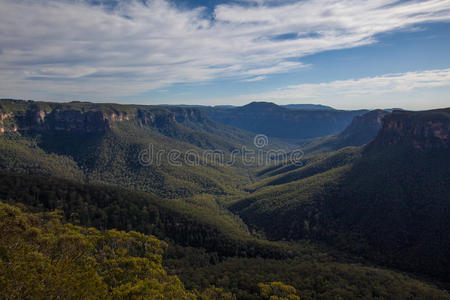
x: 83, y: 217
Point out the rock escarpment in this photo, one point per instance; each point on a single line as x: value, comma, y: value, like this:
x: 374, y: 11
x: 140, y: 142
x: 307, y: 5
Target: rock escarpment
x: 16, y: 115
x: 419, y: 130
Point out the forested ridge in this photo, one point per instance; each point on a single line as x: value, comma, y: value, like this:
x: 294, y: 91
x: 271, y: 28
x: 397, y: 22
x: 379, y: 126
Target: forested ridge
x: 344, y: 224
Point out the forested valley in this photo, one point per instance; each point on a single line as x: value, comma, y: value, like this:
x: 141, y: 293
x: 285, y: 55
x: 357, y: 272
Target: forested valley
x: 363, y: 213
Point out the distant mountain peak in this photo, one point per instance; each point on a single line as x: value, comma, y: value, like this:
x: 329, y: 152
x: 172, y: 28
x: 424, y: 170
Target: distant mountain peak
x: 278, y: 121
x: 308, y: 106
x: 259, y: 106
x: 262, y: 105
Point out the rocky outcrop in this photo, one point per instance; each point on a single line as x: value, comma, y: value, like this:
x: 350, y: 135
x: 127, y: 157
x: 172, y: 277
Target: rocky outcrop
x: 4, y: 116
x: 66, y: 119
x: 369, y: 123
x: 363, y: 129
x: 88, y: 117
x: 419, y: 130
x: 172, y: 115
x: 70, y: 120
x: 182, y: 115
x: 146, y: 117
x: 3, y: 126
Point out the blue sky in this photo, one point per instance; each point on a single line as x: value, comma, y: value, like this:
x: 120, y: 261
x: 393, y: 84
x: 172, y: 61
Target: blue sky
x: 347, y: 54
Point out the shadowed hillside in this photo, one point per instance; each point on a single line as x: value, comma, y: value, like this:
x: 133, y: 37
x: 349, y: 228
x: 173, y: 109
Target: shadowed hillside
x: 390, y: 203
x: 362, y: 130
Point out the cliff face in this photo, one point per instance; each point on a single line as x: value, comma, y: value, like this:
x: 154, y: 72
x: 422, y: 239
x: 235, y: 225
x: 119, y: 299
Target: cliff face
x: 419, y: 130
x: 181, y: 115
x: 70, y: 120
x: 3, y: 118
x: 366, y: 125
x: 147, y: 117
x: 67, y: 120
x: 87, y: 117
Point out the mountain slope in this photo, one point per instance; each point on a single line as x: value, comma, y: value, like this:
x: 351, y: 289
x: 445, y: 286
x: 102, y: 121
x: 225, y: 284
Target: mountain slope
x: 138, y: 147
x: 362, y: 130
x: 396, y: 197
x: 390, y: 204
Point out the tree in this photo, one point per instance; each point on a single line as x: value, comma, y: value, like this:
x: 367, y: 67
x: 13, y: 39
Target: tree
x: 277, y: 291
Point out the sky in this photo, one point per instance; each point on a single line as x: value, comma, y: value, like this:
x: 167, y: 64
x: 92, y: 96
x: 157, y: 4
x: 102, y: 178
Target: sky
x: 348, y: 54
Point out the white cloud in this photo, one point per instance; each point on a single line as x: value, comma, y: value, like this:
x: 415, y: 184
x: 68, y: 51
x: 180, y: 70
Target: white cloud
x: 257, y: 78
x: 356, y: 91
x: 72, y: 49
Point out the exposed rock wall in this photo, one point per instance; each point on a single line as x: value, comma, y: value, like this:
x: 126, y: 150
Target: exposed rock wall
x: 420, y: 130
x: 63, y: 117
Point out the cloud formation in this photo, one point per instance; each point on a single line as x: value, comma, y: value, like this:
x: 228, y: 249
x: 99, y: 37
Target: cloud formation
x: 74, y: 49
x: 356, y: 89
x: 257, y: 78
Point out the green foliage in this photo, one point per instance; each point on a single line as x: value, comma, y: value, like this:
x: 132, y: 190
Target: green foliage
x: 187, y: 223
x: 105, y: 141
x: 389, y: 206
x: 386, y: 203
x: 21, y: 155
x: 393, y: 207
x: 216, y: 293
x: 312, y: 276
x: 309, y: 166
x: 291, y: 210
x: 278, y: 291
x: 42, y: 258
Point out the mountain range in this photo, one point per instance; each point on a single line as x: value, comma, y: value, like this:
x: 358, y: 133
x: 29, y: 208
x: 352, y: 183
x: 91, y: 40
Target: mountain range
x: 291, y: 106
x: 363, y: 213
x: 283, y: 122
